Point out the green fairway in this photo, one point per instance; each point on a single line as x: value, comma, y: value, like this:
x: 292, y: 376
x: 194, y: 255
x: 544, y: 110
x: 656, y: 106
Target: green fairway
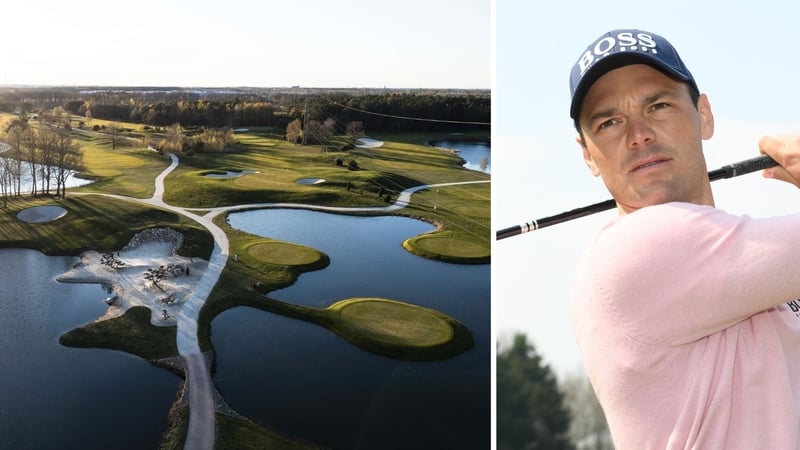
x: 265, y: 169
x: 461, y: 213
x: 403, y: 161
x: 462, y: 219
x: 94, y: 222
x: 131, y: 173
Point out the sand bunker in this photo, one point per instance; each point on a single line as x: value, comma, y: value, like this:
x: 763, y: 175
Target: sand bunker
x: 39, y: 214
x: 126, y: 273
x: 366, y: 142
x: 230, y: 174
x: 310, y: 181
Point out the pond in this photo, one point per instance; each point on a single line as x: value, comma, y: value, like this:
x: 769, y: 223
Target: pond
x: 27, y: 180
x: 51, y: 395
x: 302, y: 379
x: 477, y: 154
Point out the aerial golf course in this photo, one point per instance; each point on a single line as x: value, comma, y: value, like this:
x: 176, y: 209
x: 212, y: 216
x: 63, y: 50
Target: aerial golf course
x: 363, y: 180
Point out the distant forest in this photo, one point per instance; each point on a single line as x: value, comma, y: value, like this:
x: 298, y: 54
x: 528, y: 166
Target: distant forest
x: 380, y: 110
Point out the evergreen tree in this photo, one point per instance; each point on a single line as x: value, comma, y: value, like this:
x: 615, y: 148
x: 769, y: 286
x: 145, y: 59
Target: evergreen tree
x: 530, y: 408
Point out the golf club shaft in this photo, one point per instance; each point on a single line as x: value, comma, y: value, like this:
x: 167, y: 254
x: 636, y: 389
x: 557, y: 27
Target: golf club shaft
x: 729, y: 171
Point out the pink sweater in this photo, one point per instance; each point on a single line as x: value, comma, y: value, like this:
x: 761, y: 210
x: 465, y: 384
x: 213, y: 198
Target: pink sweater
x: 686, y: 323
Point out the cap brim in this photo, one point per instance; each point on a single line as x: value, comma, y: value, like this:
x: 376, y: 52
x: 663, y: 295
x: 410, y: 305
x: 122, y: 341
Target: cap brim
x: 615, y: 61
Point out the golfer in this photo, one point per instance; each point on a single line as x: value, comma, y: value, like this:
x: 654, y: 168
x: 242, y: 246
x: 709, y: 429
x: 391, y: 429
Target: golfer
x: 686, y: 316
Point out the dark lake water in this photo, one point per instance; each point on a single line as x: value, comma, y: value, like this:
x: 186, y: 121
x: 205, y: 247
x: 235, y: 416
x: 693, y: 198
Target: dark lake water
x: 304, y: 380
x: 53, y: 396
x: 287, y: 374
x: 476, y: 154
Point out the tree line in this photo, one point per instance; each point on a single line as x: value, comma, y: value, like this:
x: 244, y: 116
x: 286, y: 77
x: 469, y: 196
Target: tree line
x: 176, y: 140
x: 535, y: 411
x: 377, y: 110
x: 47, y: 155
x: 406, y: 112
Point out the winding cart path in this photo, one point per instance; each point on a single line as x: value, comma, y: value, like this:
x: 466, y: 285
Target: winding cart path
x: 202, y: 407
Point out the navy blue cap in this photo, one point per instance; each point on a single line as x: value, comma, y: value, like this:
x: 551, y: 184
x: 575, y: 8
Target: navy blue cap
x: 619, y: 48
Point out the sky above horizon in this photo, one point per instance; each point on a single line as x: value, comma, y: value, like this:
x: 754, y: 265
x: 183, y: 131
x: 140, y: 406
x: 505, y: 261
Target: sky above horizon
x: 199, y: 43
x: 742, y: 55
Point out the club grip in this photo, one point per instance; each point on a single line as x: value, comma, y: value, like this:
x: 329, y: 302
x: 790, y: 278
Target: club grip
x: 742, y: 167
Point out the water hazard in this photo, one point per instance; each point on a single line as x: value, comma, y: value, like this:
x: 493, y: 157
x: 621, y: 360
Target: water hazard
x: 303, y: 380
x: 55, y: 396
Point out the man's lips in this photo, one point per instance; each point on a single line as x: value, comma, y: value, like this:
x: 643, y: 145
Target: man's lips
x: 649, y: 162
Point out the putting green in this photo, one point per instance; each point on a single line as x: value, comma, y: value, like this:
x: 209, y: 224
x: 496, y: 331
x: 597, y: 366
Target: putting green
x: 394, y: 323
x: 445, y: 245
x: 398, y: 330
x: 283, y: 253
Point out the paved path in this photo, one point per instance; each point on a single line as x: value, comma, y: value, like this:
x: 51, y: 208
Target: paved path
x: 201, y: 403
x: 200, y: 435
x: 402, y: 201
x: 202, y: 410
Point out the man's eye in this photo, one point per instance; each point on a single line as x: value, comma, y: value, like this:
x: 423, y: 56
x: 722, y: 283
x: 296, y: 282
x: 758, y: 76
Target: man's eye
x: 607, y: 123
x: 658, y: 106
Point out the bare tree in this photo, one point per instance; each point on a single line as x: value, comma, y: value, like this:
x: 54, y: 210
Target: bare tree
x: 588, y: 428
x: 115, y: 131
x: 5, y: 179
x: 215, y: 140
x: 30, y: 152
x: 155, y: 276
x: 110, y: 260
x: 47, y: 143
x: 60, y: 116
x: 330, y: 125
x: 318, y: 132
x: 147, y: 141
x: 173, y: 140
x: 355, y: 130
x: 294, y: 131
x: 68, y: 158
x: 15, y: 137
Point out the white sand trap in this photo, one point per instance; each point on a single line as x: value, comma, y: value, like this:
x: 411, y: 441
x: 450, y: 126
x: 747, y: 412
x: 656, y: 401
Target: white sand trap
x: 310, y: 181
x: 130, y: 286
x: 366, y: 142
x: 39, y: 214
x: 230, y: 174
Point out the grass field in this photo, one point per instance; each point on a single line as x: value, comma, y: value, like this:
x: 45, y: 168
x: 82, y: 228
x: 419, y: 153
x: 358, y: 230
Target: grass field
x: 94, y: 222
x: 461, y: 213
x: 382, y: 326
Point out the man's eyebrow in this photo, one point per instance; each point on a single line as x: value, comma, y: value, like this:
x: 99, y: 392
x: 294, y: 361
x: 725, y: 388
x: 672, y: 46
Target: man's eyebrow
x: 610, y: 112
x: 658, y: 96
x: 603, y: 114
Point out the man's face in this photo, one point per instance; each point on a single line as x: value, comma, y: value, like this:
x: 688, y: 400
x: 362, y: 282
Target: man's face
x: 643, y: 135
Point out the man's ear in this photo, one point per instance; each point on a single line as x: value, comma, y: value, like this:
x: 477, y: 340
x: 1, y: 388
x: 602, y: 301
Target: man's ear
x: 587, y: 157
x: 706, y: 117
